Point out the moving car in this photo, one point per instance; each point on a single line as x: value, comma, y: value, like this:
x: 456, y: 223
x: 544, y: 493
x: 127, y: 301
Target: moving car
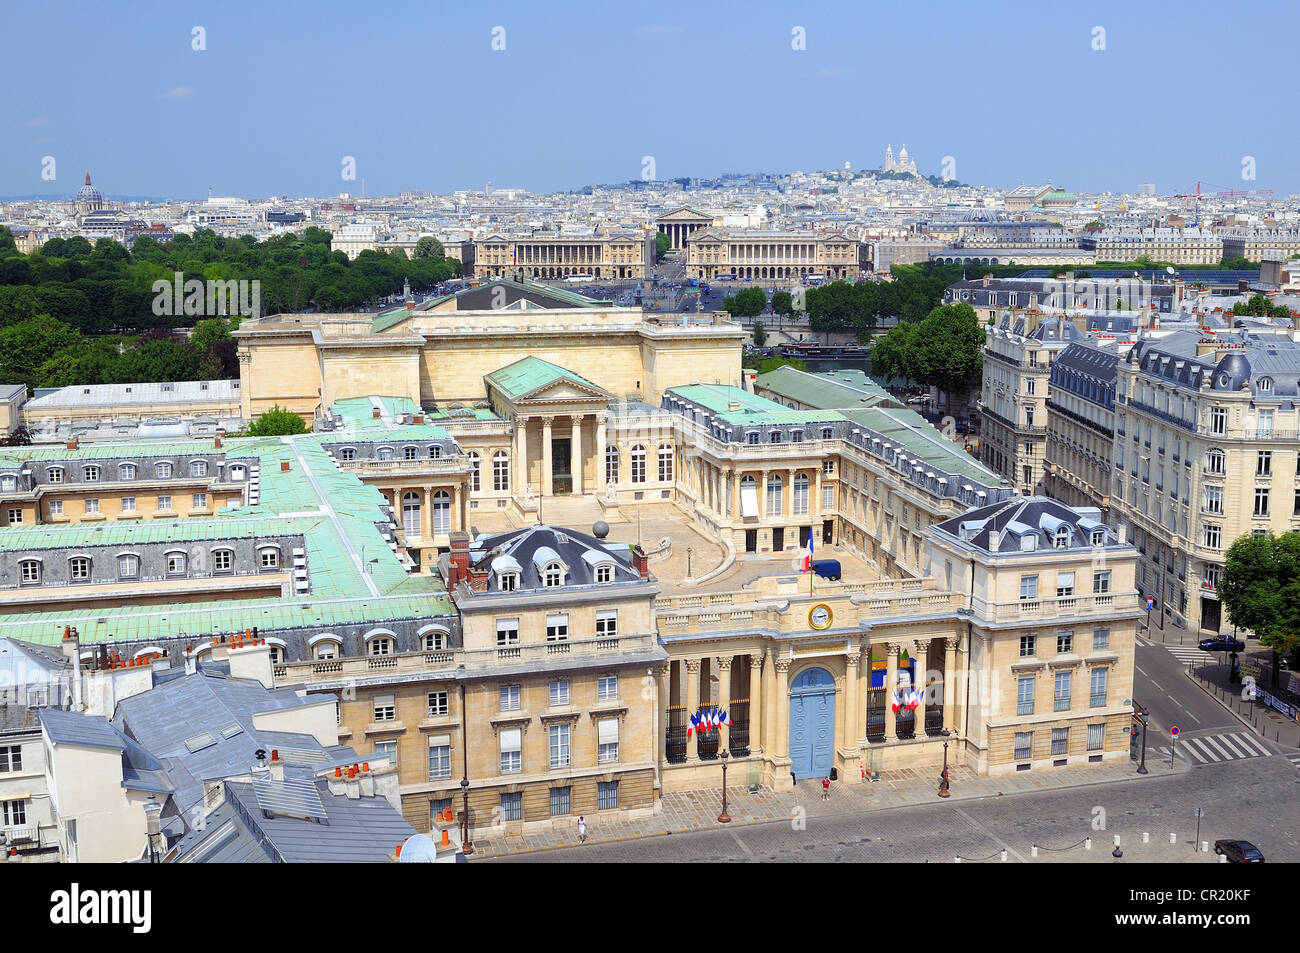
x: 1221, y: 643
x: 1239, y: 851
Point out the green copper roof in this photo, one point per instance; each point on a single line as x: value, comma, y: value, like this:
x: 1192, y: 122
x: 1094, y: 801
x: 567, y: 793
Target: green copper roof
x: 908, y: 429
x: 840, y: 390
x: 719, y: 398
x: 527, y: 375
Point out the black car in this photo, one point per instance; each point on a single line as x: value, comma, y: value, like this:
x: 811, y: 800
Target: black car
x: 1221, y: 644
x: 1239, y: 851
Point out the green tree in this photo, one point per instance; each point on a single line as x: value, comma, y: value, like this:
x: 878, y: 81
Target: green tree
x: 1260, y: 588
x: 760, y: 334
x: 949, y: 348
x: 1239, y: 264
x: 663, y: 245
x: 750, y: 301
x: 782, y: 302
x: 8, y: 247
x: 25, y: 346
x: 428, y: 247
x: 276, y: 422
x: 1260, y: 307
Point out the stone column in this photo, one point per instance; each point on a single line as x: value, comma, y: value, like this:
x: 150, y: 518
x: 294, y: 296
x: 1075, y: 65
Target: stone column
x: 755, y: 701
x: 457, y: 519
x: 519, y: 465
x: 849, y: 732
x: 922, y: 662
x: 782, y: 666
x: 762, y: 495
x: 864, y: 684
x: 891, y: 686
x: 600, y: 454
x: 659, y: 738
x: 724, y: 699
x: 575, y: 454
x: 769, y: 704
x: 949, y: 682
x: 426, y: 514
x: 547, y: 489
x: 787, y: 494
x: 692, y: 703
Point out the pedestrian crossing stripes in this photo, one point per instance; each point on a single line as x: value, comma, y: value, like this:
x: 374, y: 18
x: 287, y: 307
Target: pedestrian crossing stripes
x: 1294, y: 759
x: 1223, y: 747
x: 1189, y: 654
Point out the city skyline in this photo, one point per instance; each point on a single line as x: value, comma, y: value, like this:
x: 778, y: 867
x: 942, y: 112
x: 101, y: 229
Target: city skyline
x: 805, y: 90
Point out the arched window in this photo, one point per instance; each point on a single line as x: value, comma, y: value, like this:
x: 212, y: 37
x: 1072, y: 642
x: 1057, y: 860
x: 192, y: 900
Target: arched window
x: 90, y: 474
x: 348, y: 453
x: 79, y: 568
x: 605, y: 573
x: 441, y: 512
x: 379, y: 645
x: 54, y: 475
x: 327, y: 649
x: 126, y: 471
x: 435, y: 640
x: 435, y: 451
x: 1265, y: 384
x: 223, y: 560
x: 175, y: 562
x: 1062, y: 537
x: 800, y: 499
x: 198, y: 468
x: 508, y: 580
x: 268, y: 557
x: 500, y: 471
x: 611, y: 464
x: 384, y: 453
x: 162, y: 471
x: 665, y: 463
x: 410, y: 453
x: 29, y: 572
x: 276, y: 652
x: 638, y: 464
x: 774, y: 489
x: 411, y: 513
x: 553, y: 575
x: 1214, y: 460
x: 475, y: 472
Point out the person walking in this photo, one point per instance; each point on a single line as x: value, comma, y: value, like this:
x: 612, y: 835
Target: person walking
x: 826, y: 789
x: 582, y: 830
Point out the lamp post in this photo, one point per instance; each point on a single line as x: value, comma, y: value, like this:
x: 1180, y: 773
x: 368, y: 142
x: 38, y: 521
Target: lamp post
x: 688, y: 562
x: 724, y: 817
x: 943, y: 778
x: 466, y: 845
x: 1142, y: 713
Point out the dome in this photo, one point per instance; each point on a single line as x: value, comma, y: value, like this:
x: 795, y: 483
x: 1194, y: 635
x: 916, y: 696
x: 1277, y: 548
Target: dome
x: 88, y: 193
x: 1231, y: 372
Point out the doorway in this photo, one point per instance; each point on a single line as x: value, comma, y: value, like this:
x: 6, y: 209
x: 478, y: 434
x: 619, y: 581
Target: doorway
x: 828, y: 531
x: 812, y: 724
x: 561, y: 478
x: 778, y: 539
x: 1211, y: 614
x: 751, y: 540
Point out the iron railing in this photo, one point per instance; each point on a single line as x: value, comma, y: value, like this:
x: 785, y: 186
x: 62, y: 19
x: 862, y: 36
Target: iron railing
x: 876, y: 714
x: 738, y: 740
x: 675, y: 736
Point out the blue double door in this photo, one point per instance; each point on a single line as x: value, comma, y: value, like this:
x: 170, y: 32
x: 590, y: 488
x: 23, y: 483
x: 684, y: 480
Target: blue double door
x: 812, y: 724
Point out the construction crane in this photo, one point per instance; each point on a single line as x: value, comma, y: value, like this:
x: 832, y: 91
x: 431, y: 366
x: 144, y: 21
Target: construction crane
x: 1220, y: 192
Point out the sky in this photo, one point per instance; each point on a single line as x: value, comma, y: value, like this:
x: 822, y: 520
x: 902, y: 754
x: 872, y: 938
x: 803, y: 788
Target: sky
x: 1091, y: 96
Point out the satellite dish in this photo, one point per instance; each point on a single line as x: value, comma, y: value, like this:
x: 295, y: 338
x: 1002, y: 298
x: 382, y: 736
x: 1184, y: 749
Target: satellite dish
x: 419, y: 849
x: 1170, y: 269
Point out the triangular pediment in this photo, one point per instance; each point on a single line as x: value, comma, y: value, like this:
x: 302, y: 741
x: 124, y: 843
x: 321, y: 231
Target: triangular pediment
x: 566, y: 390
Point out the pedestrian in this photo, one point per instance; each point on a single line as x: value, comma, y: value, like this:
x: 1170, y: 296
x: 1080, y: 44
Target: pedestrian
x: 582, y: 830
x: 826, y: 789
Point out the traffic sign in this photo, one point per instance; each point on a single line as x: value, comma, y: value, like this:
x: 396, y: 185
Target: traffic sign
x: 1151, y: 603
x: 1174, y: 731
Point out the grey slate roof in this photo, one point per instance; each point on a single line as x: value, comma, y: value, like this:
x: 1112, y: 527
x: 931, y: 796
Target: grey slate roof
x: 1023, y: 516
x: 523, y: 546
x: 71, y: 728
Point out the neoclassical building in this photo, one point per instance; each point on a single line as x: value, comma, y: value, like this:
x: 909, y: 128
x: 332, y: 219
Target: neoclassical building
x: 764, y: 254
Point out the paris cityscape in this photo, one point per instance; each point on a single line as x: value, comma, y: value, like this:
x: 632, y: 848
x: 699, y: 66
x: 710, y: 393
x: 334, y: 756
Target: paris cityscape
x: 814, y: 472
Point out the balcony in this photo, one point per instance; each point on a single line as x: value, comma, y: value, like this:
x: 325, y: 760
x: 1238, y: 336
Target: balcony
x: 1048, y: 609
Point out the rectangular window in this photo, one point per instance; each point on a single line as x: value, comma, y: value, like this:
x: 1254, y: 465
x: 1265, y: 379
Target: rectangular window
x: 385, y: 708
x: 15, y: 516
x: 1100, y: 639
x: 1096, y: 737
x: 828, y: 497
x: 1214, y: 499
x: 175, y: 564
x: 164, y: 502
x: 222, y: 560
x: 13, y: 813
x: 511, y: 759
x: 507, y: 632
x: 607, y: 688
x: 1024, y: 744
x: 607, y: 740
x: 1028, y: 645
x: 56, y: 507
x: 92, y: 506
x: 509, y: 695
x: 128, y: 504
x: 128, y: 566
x: 1101, y: 581
x: 559, y: 742
x: 1061, y: 691
x: 1064, y: 643
x: 1261, y: 501
x: 269, y: 558
x: 437, y: 703
x: 200, y: 501
x: 11, y: 758
x: 1212, y: 535
x: 1218, y: 423
x: 607, y: 623
x: 439, y: 757
x: 1064, y: 584
x: 512, y: 806
x: 1025, y: 695
x: 1264, y: 463
x: 386, y: 749
x: 1097, y: 688
x: 559, y: 801
x: 1060, y: 740
x: 559, y: 692
x: 606, y: 795
x: 1028, y: 587
x: 557, y: 627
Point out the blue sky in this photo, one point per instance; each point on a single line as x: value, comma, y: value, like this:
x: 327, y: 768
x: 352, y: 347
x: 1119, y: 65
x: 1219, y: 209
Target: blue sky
x: 583, y: 90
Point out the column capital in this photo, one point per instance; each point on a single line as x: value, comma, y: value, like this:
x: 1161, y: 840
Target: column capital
x: 663, y: 671
x: 602, y: 417
x: 951, y: 642
x: 576, y: 418
x: 756, y: 661
x: 782, y: 664
x: 692, y: 665
x: 894, y: 649
x: 547, y: 421
x: 724, y: 663
x: 853, y: 659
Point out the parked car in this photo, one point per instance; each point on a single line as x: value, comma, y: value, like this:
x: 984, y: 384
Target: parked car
x: 1221, y: 643
x: 827, y: 568
x: 1239, y: 851
x: 919, y: 399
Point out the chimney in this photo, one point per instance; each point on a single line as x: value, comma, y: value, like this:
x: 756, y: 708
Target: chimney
x: 458, y: 568
x: 72, y: 443
x: 1123, y: 534
x: 277, y: 765
x: 216, y: 441
x: 375, y: 413
x: 410, y: 306
x: 72, y: 652
x: 419, y: 418
x: 640, y: 561
x: 284, y: 466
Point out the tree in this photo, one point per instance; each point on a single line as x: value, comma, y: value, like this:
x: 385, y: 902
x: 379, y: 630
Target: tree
x: 26, y: 345
x: 663, y: 245
x: 428, y: 247
x: 749, y: 302
x: 1239, y: 264
x: 1260, y: 588
x: 760, y: 334
x: 277, y: 422
x: 1260, y: 307
x: 949, y: 349
x: 782, y: 302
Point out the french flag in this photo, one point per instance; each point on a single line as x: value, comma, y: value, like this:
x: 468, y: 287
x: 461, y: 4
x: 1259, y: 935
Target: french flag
x: 895, y: 702
x: 693, y: 726
x: 724, y: 719
x: 808, y: 554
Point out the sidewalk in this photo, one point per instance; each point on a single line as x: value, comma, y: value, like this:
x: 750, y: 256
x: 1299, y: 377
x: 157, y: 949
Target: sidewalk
x: 1265, y: 721
x: 698, y: 810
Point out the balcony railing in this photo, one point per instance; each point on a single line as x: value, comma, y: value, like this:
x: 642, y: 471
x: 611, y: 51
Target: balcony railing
x: 1055, y: 608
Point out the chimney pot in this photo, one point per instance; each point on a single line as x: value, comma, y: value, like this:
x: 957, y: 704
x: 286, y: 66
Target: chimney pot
x: 284, y: 466
x: 338, y: 772
x: 365, y: 766
x: 446, y: 838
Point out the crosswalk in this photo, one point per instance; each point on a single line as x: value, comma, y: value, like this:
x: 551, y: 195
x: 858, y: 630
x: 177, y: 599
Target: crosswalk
x: 1294, y: 759
x: 1185, y: 654
x: 1232, y: 746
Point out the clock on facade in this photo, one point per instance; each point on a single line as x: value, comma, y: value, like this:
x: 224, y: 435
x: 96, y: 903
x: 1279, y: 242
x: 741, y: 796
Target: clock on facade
x: 819, y: 616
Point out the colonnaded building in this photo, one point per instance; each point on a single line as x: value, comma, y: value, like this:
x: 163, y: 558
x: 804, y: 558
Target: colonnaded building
x: 531, y: 536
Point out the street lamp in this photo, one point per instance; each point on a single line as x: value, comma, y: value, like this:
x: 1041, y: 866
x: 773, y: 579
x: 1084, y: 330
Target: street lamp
x: 1142, y: 714
x: 688, y: 562
x: 943, y: 778
x: 466, y: 845
x: 724, y: 817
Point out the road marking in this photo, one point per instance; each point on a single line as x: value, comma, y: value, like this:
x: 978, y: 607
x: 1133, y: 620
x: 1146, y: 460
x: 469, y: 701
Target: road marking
x: 1240, y: 752
x: 1191, y: 716
x: 1248, y: 740
x: 989, y: 834
x: 1189, y: 748
x: 1156, y: 684
x: 741, y: 843
x: 1208, y: 743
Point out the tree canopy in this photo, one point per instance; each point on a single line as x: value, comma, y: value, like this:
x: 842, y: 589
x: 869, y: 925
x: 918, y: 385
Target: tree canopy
x: 1260, y: 588
x: 747, y: 302
x: 944, y: 350
x: 1260, y: 307
x: 276, y: 422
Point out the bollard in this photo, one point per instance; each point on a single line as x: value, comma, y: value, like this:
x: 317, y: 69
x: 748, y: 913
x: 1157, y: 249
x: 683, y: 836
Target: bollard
x: 1087, y: 843
x: 1173, y: 838
x: 1146, y: 837
x: 1004, y: 855
x: 1205, y: 847
x: 1033, y: 851
x: 956, y: 860
x: 1223, y: 858
x: 1116, y: 840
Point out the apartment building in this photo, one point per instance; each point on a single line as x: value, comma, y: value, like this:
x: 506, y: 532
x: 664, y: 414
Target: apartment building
x: 1079, y: 451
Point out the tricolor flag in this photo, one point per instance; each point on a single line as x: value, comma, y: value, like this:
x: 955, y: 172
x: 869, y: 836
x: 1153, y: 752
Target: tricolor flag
x: 724, y: 719
x: 808, y: 553
x: 895, y: 702
x: 693, y: 726
x: 711, y: 718
x: 913, y: 700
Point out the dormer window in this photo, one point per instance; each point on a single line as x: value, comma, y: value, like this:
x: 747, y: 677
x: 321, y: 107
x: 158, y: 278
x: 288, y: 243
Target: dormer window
x: 1063, y: 537
x: 199, y: 468
x: 553, y: 575
x: 126, y: 471
x: 435, y: 641
x: 410, y: 453
x: 605, y: 573
x: 1265, y: 385
x: 435, y: 452
x: 54, y: 475
x: 90, y: 474
x: 774, y: 437
x: 162, y: 471
x: 1099, y: 537
x: 508, y: 581
x: 384, y: 453
x: 348, y: 453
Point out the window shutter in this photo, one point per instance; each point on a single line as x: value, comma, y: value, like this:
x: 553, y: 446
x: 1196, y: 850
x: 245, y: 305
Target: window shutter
x: 557, y: 620
x: 441, y: 741
x: 385, y: 701
x: 510, y: 739
x: 1064, y: 579
x: 607, y: 731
